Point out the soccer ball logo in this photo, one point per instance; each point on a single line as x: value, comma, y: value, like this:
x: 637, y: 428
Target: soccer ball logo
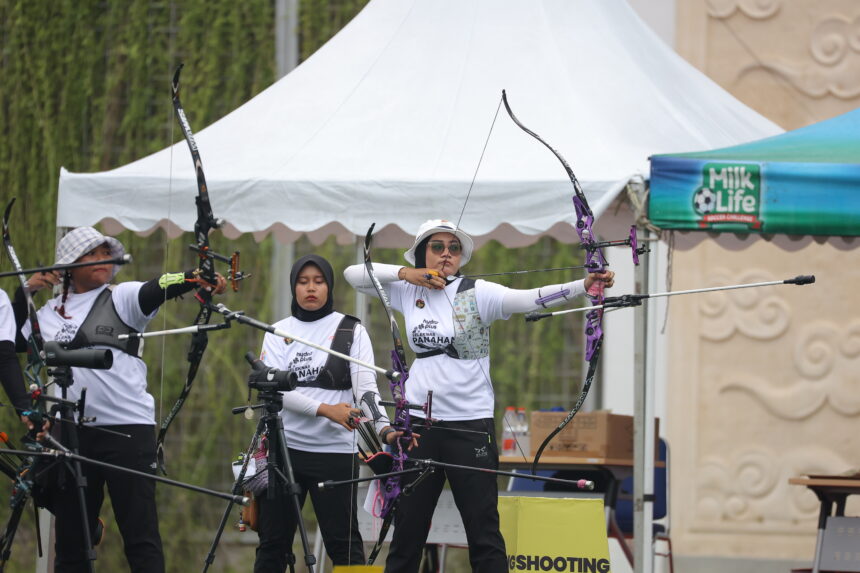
x: 704, y: 201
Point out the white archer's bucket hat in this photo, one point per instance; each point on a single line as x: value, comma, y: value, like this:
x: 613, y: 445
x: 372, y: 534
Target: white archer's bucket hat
x: 80, y: 241
x: 433, y: 226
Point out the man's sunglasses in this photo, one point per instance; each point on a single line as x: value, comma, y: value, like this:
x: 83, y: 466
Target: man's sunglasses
x: 438, y: 247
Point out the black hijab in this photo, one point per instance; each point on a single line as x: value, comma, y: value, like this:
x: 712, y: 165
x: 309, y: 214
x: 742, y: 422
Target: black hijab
x: 328, y: 274
x: 421, y: 259
x: 421, y: 254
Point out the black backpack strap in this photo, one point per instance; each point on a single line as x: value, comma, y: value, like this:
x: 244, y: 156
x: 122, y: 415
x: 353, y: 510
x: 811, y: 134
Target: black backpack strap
x: 345, y: 334
x: 465, y: 284
x: 335, y: 375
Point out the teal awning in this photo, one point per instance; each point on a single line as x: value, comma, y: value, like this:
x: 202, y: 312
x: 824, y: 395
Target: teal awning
x: 802, y: 182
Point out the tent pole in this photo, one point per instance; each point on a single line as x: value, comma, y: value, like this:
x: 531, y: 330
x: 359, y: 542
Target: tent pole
x: 283, y: 257
x: 651, y: 274
x: 643, y: 432
x: 286, y: 36
x: 286, y: 58
x: 360, y: 298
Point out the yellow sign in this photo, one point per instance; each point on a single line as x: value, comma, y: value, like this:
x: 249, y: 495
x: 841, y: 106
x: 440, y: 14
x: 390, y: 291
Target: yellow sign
x: 554, y: 534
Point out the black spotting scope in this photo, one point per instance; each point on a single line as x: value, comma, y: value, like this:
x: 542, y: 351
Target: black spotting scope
x: 264, y: 378
x: 95, y: 358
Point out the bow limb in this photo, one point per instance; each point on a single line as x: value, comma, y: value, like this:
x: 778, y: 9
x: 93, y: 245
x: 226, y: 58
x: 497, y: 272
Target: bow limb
x: 206, y: 271
x: 402, y: 421
x: 22, y: 475
x: 35, y: 343
x: 594, y: 260
x: 398, y: 355
x: 594, y: 263
x: 586, y: 386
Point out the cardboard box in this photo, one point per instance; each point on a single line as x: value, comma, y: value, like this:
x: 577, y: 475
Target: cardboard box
x: 598, y: 434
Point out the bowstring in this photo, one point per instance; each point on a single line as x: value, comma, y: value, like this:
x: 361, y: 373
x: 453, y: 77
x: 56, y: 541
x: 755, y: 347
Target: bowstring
x: 357, y: 404
x: 353, y: 465
x: 166, y: 246
x: 478, y: 167
x: 352, y: 486
x: 485, y: 375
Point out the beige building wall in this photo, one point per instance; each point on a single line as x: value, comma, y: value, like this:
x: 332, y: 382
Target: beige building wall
x: 794, y: 61
x: 764, y: 384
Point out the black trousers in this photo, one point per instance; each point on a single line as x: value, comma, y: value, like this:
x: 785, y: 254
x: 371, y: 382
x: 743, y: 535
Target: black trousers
x: 133, y: 499
x: 475, y: 493
x: 335, y: 510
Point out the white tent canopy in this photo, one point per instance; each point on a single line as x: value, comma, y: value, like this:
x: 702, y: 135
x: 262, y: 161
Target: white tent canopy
x: 388, y: 121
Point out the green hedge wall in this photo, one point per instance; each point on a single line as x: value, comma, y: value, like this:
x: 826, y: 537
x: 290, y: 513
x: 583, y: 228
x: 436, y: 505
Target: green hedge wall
x: 85, y: 84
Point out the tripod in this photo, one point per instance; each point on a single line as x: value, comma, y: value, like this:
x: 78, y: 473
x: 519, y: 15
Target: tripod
x: 63, y: 378
x: 22, y: 488
x: 56, y: 452
x: 279, y: 471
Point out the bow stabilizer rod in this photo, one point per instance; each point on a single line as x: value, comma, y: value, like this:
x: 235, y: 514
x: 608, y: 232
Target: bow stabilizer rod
x: 630, y: 300
x: 420, y: 464
x: 59, y: 452
x: 240, y: 317
x: 123, y: 260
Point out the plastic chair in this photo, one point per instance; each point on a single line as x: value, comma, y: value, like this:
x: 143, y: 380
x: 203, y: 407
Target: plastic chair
x: 624, y: 506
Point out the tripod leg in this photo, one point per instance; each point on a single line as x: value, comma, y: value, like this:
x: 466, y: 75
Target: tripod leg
x: 210, y: 557
x: 9, y: 533
x: 284, y: 469
x: 38, y: 530
x: 237, y: 489
x: 63, y: 378
x: 81, y: 487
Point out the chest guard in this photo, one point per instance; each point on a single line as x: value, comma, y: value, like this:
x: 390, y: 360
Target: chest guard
x: 471, y: 334
x: 335, y: 374
x: 103, y: 325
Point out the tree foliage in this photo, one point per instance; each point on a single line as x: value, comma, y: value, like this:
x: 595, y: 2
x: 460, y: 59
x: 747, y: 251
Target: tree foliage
x: 85, y: 85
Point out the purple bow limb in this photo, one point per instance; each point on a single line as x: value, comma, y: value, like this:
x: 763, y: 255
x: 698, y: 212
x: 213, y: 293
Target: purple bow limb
x: 593, y: 332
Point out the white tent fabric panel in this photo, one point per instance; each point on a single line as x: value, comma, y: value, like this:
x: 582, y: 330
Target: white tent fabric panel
x: 388, y: 121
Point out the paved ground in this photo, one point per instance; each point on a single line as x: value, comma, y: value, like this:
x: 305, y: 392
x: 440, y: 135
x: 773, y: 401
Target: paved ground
x: 690, y: 564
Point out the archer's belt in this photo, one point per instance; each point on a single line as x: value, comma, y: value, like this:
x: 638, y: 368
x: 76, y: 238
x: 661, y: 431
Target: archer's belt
x: 429, y: 353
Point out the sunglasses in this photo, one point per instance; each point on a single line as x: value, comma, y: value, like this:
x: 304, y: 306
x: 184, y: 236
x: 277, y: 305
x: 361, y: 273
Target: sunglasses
x: 438, y: 247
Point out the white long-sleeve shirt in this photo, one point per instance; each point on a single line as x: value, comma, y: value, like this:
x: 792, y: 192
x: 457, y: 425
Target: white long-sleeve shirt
x: 303, y: 429
x: 462, y: 389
